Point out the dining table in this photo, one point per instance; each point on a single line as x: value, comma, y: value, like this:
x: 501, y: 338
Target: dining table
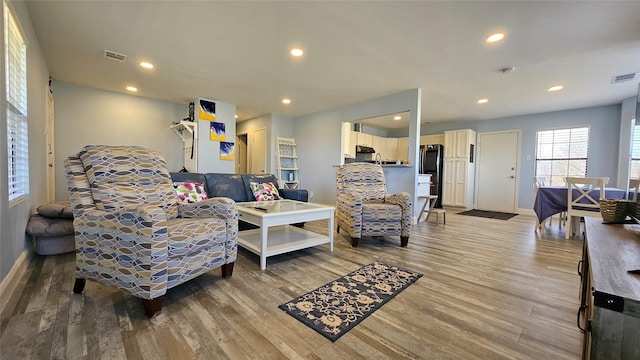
x: 551, y: 200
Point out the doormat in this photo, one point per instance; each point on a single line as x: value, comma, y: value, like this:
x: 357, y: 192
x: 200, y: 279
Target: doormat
x: 488, y: 214
x: 335, y: 308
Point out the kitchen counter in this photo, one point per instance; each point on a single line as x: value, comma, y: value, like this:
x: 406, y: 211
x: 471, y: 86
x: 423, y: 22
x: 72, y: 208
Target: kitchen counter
x: 390, y: 165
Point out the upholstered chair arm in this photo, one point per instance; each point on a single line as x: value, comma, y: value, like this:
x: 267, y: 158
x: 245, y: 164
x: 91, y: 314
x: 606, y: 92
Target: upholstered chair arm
x: 349, y: 212
x: 125, y: 248
x: 403, y: 199
x: 220, y: 207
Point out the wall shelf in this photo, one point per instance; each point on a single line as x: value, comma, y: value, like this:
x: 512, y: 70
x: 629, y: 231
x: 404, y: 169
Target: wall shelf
x: 287, y: 163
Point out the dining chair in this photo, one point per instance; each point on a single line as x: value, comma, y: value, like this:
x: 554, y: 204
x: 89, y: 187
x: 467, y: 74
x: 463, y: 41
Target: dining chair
x: 634, y: 185
x: 539, y: 181
x: 583, y: 199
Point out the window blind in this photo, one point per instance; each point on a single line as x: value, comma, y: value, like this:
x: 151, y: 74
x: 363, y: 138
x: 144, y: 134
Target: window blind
x: 16, y: 105
x: 561, y: 153
x: 635, y: 154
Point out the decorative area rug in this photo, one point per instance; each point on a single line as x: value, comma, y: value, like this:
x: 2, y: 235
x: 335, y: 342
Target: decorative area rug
x: 335, y: 308
x: 488, y: 214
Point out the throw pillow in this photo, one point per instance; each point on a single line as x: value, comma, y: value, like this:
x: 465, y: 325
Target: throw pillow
x: 264, y: 191
x: 189, y: 192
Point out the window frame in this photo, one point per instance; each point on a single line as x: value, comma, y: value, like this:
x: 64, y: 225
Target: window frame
x: 537, y: 159
x: 16, y: 104
x: 635, y: 130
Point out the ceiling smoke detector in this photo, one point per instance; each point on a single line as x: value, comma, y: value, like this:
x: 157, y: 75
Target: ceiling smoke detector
x: 507, y: 70
x: 112, y: 55
x: 622, y: 78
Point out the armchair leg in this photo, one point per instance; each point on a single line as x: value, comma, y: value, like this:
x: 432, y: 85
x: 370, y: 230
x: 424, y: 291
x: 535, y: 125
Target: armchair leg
x: 227, y: 270
x: 404, y: 240
x: 354, y: 242
x: 79, y: 285
x: 153, y: 306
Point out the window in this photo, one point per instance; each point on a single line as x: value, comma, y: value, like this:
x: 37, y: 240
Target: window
x: 635, y: 153
x: 561, y: 153
x: 15, y: 51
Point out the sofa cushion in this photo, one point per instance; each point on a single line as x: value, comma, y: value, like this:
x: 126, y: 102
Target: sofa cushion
x: 126, y: 176
x: 189, y: 192
x: 56, y: 210
x: 227, y: 185
x: 264, y: 191
x: 257, y: 178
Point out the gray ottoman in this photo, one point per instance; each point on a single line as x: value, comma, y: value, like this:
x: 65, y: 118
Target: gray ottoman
x: 52, y: 229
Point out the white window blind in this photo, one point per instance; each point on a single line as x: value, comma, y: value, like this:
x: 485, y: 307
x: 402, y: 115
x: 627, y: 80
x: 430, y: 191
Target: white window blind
x: 16, y: 105
x: 635, y: 154
x: 561, y: 153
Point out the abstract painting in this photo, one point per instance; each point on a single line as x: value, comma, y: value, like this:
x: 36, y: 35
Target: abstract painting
x: 227, y: 150
x: 207, y: 110
x: 217, y: 131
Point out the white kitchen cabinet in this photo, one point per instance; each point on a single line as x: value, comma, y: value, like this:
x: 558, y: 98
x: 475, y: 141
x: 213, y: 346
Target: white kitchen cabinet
x: 432, y: 139
x: 391, y: 149
x: 348, y: 141
x: 379, y: 145
x: 364, y: 139
x: 459, y: 168
x: 402, y: 152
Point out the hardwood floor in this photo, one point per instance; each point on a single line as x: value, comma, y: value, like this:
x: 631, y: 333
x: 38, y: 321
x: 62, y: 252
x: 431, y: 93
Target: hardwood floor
x: 491, y: 289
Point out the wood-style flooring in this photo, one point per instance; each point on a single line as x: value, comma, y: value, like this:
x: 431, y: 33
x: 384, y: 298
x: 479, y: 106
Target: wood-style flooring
x: 492, y: 289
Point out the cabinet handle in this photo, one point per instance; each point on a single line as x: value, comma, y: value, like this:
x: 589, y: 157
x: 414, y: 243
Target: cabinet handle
x: 580, y: 268
x: 581, y: 309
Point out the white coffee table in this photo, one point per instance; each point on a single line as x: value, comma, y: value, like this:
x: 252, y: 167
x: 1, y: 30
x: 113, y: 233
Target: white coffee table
x: 276, y: 235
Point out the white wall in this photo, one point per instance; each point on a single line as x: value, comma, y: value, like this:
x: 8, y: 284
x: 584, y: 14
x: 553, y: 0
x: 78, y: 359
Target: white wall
x: 209, y: 151
x: 627, y: 114
x: 604, y: 122
x: 319, y: 135
x: 13, y: 220
x: 85, y: 116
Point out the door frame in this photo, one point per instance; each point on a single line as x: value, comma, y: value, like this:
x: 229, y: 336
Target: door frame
x: 50, y: 145
x: 518, y: 164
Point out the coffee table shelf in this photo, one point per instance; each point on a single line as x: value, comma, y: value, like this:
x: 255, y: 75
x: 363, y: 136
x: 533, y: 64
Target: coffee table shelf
x: 282, y: 239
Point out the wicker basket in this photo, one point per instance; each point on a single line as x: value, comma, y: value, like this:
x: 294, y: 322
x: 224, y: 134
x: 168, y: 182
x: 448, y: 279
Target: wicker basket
x: 613, y: 210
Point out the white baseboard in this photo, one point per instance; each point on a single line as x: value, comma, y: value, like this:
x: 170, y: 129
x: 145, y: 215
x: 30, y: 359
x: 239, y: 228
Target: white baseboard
x: 8, y: 285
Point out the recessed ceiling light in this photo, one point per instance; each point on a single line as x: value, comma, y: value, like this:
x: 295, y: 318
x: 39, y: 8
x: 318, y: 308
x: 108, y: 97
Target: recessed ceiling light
x: 483, y: 101
x: 296, y: 52
x: 132, y: 88
x: 286, y: 101
x: 555, y: 88
x: 146, y: 65
x: 495, y: 37
x: 397, y: 117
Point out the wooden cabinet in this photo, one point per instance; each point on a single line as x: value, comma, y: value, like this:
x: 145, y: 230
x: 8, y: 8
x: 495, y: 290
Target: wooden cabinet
x: 432, y: 139
x: 379, y: 145
x: 609, y: 313
x: 364, y: 139
x: 348, y: 141
x: 391, y: 149
x: 459, y: 168
x: 402, y: 151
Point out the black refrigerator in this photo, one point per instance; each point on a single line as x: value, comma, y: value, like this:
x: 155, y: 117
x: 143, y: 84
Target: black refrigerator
x: 431, y: 163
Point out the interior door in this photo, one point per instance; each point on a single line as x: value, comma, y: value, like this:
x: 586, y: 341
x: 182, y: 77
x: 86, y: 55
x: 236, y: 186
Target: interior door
x: 241, y: 154
x: 51, y: 157
x: 498, y: 155
x: 258, y: 151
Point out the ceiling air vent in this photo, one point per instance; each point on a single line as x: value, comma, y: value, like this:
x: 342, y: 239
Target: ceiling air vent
x: 623, y: 78
x: 112, y: 55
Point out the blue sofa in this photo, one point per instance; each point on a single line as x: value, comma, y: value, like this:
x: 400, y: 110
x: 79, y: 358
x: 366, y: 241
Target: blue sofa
x: 236, y: 187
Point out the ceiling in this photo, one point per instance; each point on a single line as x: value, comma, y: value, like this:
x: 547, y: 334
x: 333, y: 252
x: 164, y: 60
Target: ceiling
x: 238, y: 52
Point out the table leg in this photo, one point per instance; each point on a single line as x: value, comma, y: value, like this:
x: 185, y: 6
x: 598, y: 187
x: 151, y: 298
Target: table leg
x: 264, y: 232
x: 331, y: 232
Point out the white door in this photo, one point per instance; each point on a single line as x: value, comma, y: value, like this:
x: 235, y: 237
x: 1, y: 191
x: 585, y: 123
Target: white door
x: 498, y: 155
x: 51, y: 156
x: 258, y: 151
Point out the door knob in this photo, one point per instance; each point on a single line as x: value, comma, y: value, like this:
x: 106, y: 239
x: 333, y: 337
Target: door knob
x: 512, y: 177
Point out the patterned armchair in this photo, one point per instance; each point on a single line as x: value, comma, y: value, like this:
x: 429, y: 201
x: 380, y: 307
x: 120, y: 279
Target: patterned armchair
x: 130, y: 231
x: 365, y: 209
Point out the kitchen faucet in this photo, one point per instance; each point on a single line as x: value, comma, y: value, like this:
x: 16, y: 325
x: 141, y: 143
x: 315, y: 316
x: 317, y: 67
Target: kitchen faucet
x: 378, y: 159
